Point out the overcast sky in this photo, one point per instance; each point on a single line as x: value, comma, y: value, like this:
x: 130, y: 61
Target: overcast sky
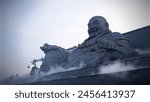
x: 28, y: 24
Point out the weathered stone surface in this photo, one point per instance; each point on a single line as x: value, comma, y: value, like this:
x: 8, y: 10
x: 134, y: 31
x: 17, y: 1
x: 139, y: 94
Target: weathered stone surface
x: 54, y: 56
x: 139, y: 39
x: 101, y: 46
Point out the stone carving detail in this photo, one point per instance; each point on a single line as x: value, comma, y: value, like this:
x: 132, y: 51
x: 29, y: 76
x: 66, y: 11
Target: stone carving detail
x: 100, y: 47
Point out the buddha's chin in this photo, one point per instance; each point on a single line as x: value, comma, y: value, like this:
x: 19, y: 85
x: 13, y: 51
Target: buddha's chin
x: 93, y: 34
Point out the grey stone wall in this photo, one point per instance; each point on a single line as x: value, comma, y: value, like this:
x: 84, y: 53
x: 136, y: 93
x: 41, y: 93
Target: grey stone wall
x: 140, y: 38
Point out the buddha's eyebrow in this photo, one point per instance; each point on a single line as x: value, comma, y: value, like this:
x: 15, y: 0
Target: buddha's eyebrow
x: 96, y: 21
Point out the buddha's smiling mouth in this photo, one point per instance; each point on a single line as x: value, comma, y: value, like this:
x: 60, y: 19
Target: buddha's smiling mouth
x: 93, y: 30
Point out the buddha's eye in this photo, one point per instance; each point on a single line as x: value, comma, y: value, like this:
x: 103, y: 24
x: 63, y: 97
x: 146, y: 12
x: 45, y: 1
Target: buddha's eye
x: 96, y: 22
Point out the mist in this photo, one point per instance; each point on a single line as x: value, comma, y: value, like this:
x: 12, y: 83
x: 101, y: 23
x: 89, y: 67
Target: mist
x: 28, y: 24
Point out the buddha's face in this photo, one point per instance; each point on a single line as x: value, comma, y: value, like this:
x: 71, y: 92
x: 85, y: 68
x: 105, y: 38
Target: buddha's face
x: 97, y: 25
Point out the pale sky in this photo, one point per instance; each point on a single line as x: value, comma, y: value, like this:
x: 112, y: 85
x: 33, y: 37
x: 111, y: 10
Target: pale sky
x: 28, y: 24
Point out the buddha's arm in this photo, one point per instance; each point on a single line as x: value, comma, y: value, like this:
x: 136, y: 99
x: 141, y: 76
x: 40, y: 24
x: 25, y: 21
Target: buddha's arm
x: 120, y: 45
